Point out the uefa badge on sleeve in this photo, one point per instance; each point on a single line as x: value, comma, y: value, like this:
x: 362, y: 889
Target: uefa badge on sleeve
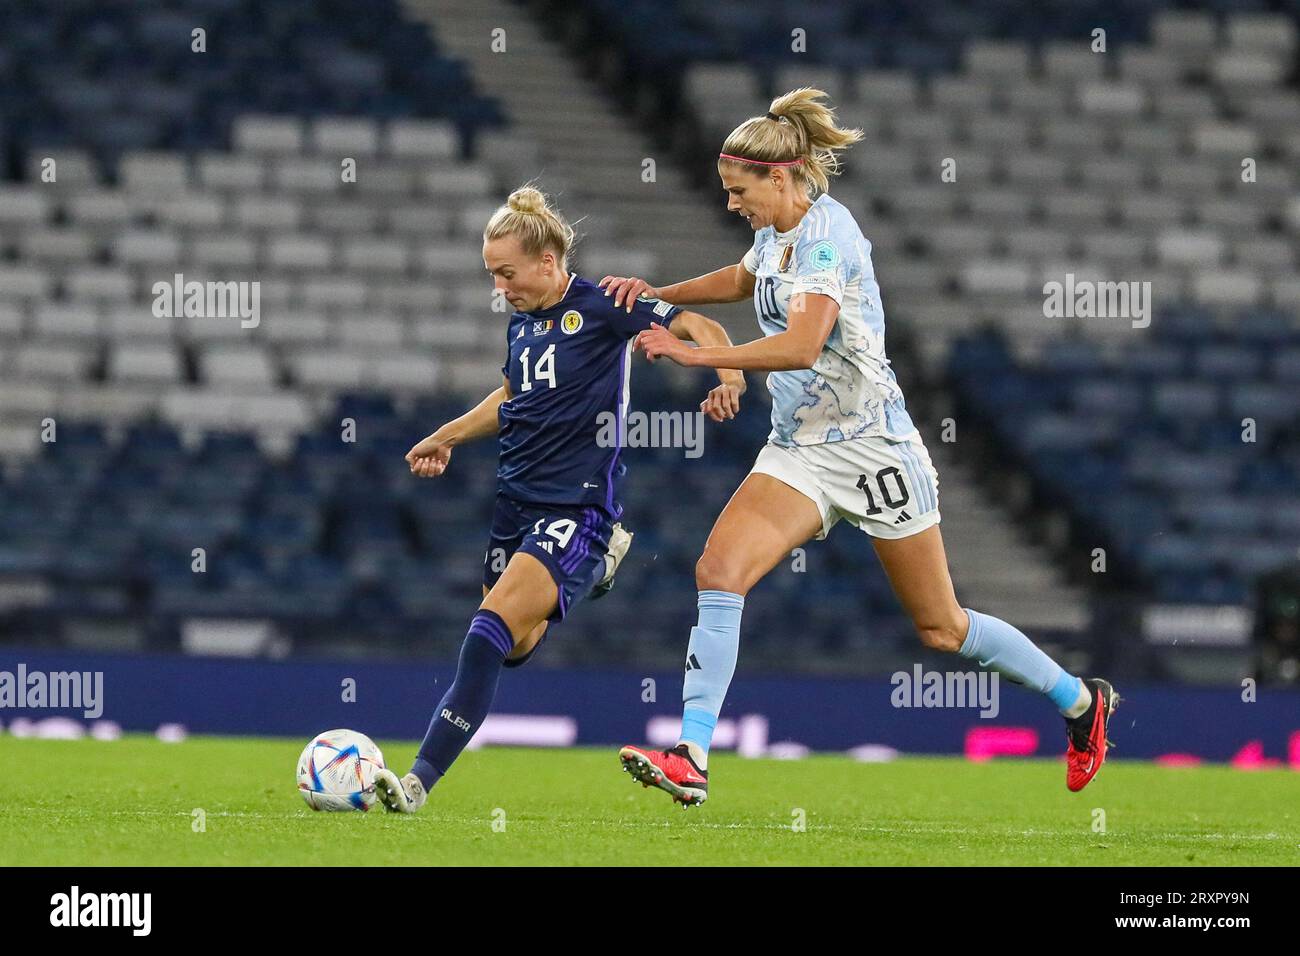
x: 824, y: 255
x: 571, y: 322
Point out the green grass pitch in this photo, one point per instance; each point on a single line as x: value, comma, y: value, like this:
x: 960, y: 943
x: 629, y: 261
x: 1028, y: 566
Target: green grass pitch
x: 133, y: 802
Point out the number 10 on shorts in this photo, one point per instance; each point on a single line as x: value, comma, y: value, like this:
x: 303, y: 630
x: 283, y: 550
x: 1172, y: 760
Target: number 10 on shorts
x: 882, y: 482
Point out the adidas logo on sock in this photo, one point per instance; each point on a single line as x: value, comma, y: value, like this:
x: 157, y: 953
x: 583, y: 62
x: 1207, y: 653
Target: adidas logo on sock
x: 693, y: 664
x: 902, y: 516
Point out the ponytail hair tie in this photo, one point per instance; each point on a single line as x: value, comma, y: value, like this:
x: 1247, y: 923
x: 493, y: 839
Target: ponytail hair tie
x: 773, y: 116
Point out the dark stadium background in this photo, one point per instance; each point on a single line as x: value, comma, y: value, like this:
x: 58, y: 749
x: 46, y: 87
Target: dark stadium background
x: 1126, y: 495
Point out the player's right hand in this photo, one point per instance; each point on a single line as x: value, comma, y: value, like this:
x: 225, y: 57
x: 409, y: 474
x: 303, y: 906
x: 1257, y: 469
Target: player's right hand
x: 626, y: 289
x: 428, y: 458
x: 723, y: 402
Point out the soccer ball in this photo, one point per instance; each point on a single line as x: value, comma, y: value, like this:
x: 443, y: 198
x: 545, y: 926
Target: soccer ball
x: 337, y: 771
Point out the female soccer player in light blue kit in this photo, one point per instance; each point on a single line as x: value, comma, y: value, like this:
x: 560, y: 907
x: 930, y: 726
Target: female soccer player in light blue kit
x: 842, y: 444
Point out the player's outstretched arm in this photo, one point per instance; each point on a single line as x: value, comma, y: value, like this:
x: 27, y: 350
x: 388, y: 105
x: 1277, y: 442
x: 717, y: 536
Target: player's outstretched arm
x: 811, y: 318
x: 728, y: 284
x: 430, y: 456
x: 722, y: 402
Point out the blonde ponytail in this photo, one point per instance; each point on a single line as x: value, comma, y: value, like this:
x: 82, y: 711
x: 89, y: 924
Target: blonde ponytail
x: 537, y: 225
x: 800, y: 132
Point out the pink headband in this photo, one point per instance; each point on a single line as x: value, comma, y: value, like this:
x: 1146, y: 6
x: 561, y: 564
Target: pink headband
x: 758, y: 162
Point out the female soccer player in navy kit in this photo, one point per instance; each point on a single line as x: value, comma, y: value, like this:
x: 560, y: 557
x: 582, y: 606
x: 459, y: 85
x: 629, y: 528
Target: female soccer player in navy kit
x: 842, y: 444
x: 567, y: 368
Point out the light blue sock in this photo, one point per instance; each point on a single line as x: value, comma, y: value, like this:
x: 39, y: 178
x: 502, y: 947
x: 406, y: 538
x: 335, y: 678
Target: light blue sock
x: 710, y: 664
x: 998, y: 645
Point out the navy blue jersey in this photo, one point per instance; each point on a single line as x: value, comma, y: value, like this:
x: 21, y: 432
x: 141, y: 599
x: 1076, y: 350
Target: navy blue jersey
x: 562, y: 431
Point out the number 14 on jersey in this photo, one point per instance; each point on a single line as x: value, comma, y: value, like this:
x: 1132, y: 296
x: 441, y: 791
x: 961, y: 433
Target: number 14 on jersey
x: 543, y: 370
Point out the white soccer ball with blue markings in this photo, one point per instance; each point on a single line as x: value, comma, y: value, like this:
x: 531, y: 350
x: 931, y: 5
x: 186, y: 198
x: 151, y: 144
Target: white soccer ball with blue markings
x: 337, y: 771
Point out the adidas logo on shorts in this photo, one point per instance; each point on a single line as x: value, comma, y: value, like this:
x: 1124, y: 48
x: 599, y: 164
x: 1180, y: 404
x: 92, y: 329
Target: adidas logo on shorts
x: 902, y: 516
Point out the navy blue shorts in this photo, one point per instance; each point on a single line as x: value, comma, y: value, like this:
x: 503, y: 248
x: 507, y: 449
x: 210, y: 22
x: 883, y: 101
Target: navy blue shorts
x: 570, y: 540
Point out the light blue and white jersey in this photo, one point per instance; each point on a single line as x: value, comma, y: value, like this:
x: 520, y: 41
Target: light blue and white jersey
x: 850, y: 392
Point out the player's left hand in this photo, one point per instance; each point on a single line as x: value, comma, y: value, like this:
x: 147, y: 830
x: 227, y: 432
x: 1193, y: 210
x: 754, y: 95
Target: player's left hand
x: 723, y: 401
x: 658, y: 342
x: 429, y: 457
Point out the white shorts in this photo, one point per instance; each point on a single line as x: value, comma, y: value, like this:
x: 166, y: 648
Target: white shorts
x: 887, y: 488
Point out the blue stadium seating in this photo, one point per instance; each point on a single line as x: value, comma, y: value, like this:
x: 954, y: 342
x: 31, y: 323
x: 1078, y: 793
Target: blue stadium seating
x: 336, y: 541
x: 1149, y: 444
x: 120, y: 75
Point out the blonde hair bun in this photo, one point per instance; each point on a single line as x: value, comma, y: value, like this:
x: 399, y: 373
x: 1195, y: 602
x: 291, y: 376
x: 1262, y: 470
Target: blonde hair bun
x: 537, y: 224
x: 527, y: 200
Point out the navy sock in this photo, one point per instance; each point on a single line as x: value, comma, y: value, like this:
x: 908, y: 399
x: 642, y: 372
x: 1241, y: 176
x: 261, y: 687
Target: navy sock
x: 468, y: 700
